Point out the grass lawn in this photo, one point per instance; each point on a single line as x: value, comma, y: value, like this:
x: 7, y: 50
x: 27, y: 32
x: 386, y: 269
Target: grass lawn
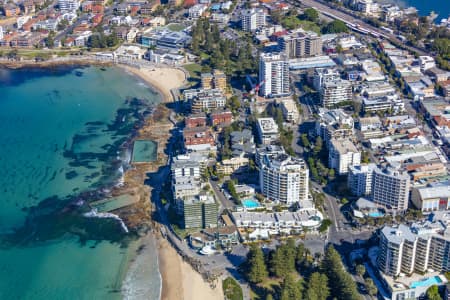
x: 231, y: 289
x: 194, y: 70
x: 175, y: 27
x: 310, y: 26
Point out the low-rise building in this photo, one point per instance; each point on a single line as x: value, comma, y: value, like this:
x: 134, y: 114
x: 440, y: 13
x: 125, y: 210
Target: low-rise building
x: 267, y: 130
x: 196, y: 120
x: 242, y: 143
x: 432, y: 198
x: 204, y: 100
x: 221, y: 117
x: 197, y: 11
x: 199, y: 139
x: 261, y: 225
x: 232, y: 165
x: 290, y: 110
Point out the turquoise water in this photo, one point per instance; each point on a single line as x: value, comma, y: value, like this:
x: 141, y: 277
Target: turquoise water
x: 435, y: 280
x: 250, y: 203
x: 441, y: 7
x: 144, y: 151
x: 376, y: 214
x: 64, y: 133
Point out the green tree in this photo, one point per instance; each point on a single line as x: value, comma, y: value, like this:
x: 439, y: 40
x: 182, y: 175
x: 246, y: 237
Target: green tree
x: 326, y: 223
x: 335, y: 26
x: 433, y: 293
x: 231, y: 188
x: 341, y: 283
x: 256, y: 267
x: 290, y: 290
x: 370, y: 286
x: 50, y: 40
x: 360, y: 270
x: 310, y: 14
x: 305, y: 141
x: 300, y: 254
x: 318, y: 146
x: 317, y: 287
x: 283, y: 258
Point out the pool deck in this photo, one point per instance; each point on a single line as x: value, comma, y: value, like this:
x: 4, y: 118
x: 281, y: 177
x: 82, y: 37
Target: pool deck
x: 407, y: 281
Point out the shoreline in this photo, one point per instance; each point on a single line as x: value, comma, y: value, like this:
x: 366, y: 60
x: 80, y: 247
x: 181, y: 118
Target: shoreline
x: 81, y: 61
x: 178, y: 279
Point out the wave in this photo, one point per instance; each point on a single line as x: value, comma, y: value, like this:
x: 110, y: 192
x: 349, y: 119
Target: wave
x: 95, y: 214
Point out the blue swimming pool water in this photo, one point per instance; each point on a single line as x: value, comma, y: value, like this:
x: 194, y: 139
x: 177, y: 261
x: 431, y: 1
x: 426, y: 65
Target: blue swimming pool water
x: 250, y: 203
x: 375, y: 214
x: 427, y: 282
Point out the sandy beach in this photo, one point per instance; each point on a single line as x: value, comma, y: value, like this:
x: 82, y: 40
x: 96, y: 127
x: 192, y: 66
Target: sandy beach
x: 180, y: 281
x: 163, y: 79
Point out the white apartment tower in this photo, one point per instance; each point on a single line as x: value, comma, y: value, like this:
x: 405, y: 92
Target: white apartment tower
x: 415, y: 249
x: 334, y: 92
x: 253, y: 19
x: 342, y: 155
x: 1, y: 33
x: 390, y: 188
x: 284, y: 179
x: 360, y: 179
x: 274, y: 75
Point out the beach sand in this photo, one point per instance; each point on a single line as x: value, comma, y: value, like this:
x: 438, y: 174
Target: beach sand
x: 163, y: 79
x: 180, y: 281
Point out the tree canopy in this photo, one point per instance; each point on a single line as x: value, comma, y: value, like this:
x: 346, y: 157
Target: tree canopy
x: 342, y: 285
x: 335, y: 26
x: 256, y: 267
x: 310, y: 14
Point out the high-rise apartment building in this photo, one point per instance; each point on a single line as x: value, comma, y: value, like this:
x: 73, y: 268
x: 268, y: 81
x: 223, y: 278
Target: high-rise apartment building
x: 334, y: 124
x: 343, y: 154
x: 335, y: 92
x: 390, y: 188
x: 284, y: 178
x: 360, y: 179
x: 1, y: 33
x: 199, y: 212
x: 300, y: 44
x: 253, y: 19
x: 274, y: 75
x: 416, y: 248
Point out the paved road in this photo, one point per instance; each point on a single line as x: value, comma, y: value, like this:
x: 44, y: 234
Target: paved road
x: 225, y: 203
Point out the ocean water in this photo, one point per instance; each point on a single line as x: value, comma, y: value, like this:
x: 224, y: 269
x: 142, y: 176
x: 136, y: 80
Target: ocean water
x: 441, y: 7
x: 63, y: 135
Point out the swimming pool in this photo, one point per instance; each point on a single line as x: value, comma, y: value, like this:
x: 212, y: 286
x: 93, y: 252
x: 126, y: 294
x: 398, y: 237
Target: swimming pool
x: 375, y: 214
x: 250, y: 203
x: 435, y: 280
